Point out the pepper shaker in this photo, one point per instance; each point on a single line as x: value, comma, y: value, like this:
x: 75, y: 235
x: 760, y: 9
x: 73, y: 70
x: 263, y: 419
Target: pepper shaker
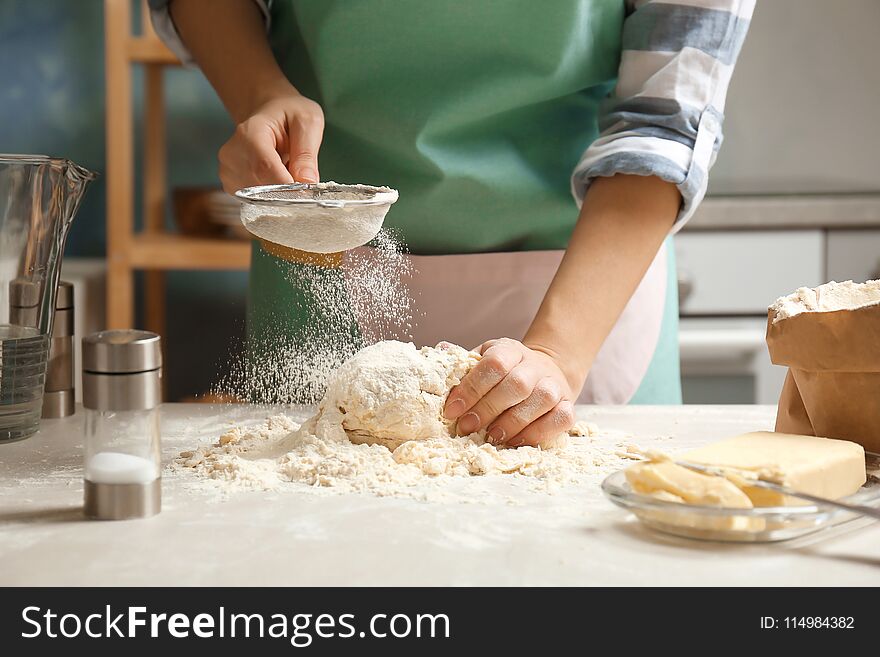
x: 58, y: 398
x: 122, y: 392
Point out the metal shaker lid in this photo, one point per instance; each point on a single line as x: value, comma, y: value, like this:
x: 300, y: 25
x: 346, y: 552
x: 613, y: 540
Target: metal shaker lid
x: 24, y: 293
x: 121, y: 351
x: 64, y: 296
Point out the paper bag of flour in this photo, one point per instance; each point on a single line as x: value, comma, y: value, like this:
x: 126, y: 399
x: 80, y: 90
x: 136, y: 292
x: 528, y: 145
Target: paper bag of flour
x: 829, y: 338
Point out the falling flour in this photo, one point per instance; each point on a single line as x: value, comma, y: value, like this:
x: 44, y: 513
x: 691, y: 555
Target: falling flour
x: 379, y: 430
x: 340, y: 311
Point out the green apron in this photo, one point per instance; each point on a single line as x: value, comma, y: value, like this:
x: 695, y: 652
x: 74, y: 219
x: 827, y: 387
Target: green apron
x: 476, y: 112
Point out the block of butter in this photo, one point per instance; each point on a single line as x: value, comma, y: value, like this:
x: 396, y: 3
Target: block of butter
x: 820, y: 466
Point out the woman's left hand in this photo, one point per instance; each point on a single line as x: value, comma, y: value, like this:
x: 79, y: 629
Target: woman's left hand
x: 519, y: 394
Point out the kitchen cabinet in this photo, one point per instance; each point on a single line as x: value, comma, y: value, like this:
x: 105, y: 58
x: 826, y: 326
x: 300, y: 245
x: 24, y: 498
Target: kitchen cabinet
x: 853, y: 255
x: 742, y: 272
x: 727, y: 278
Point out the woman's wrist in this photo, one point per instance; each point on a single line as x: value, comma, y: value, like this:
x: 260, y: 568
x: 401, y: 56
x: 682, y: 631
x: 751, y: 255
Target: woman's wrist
x: 575, y: 366
x: 262, y: 92
x: 230, y: 46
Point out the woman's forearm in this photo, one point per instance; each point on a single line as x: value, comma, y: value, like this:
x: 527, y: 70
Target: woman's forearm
x: 228, y: 41
x: 622, y: 224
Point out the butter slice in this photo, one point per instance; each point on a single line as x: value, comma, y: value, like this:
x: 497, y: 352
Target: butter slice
x: 664, y: 480
x: 819, y: 466
x: 667, y: 481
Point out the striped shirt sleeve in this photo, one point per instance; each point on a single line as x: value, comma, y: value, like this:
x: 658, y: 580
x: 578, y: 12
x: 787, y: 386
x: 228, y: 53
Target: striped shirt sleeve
x: 665, y: 114
x: 163, y: 24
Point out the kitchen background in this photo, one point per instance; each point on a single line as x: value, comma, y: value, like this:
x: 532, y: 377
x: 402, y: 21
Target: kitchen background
x: 794, y: 196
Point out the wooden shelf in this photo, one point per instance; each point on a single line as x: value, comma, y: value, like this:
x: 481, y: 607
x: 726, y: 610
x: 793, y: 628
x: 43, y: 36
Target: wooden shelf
x: 168, y: 251
x: 150, y: 50
x: 153, y: 251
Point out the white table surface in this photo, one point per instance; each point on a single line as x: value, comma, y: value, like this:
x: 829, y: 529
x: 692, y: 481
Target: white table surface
x: 296, y: 538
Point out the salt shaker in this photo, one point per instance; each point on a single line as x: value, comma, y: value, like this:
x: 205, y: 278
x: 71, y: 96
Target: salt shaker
x: 58, y: 399
x: 122, y: 392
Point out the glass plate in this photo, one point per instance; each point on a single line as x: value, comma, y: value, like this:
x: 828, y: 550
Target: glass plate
x: 757, y: 525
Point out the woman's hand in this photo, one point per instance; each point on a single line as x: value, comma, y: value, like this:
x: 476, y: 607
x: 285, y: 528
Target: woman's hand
x: 519, y: 394
x: 279, y: 130
x: 277, y: 143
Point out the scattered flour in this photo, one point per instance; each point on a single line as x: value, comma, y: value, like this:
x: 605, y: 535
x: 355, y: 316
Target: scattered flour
x: 379, y: 429
x: 583, y: 428
x: 276, y: 455
x: 827, y: 298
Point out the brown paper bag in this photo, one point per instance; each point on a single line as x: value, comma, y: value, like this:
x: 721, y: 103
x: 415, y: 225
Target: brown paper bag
x: 833, y: 383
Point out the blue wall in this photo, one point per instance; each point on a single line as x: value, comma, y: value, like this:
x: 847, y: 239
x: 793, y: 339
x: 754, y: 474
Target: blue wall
x: 52, y: 102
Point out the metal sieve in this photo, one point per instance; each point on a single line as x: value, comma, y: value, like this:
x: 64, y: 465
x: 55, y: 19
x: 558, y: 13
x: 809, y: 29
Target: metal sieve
x: 323, y: 217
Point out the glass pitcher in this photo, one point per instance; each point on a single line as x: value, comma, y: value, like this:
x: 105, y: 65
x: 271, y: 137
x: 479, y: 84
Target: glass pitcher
x: 39, y: 196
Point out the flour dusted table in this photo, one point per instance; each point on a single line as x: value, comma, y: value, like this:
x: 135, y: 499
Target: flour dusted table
x: 573, y: 537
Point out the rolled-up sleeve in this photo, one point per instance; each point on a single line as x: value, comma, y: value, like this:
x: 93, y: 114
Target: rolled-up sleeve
x: 160, y: 17
x: 665, y: 116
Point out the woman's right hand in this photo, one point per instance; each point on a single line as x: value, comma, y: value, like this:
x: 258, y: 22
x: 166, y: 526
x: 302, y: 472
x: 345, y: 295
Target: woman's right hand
x: 278, y: 143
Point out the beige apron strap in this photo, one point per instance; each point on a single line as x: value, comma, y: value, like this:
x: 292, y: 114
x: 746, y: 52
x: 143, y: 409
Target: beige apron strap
x: 468, y: 299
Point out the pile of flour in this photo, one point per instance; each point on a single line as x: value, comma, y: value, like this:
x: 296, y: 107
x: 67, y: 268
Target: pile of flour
x: 827, y: 298
x: 380, y: 430
x: 276, y: 455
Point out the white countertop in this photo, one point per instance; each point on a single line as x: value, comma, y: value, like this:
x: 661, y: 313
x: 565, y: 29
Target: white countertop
x: 573, y: 537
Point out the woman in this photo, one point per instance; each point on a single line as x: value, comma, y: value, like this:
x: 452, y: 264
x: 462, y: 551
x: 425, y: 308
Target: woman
x: 479, y: 113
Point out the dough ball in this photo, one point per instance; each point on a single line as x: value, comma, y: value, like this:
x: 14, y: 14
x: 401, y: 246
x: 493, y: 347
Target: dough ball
x: 390, y: 393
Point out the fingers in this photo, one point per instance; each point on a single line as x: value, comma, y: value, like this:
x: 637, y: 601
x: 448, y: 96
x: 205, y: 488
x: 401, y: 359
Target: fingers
x: 251, y: 158
x: 305, y: 133
x: 488, y: 344
x: 543, y: 398
x: 496, y: 363
x: 520, y: 396
x: 514, y: 388
x: 546, y: 428
x: 278, y: 145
